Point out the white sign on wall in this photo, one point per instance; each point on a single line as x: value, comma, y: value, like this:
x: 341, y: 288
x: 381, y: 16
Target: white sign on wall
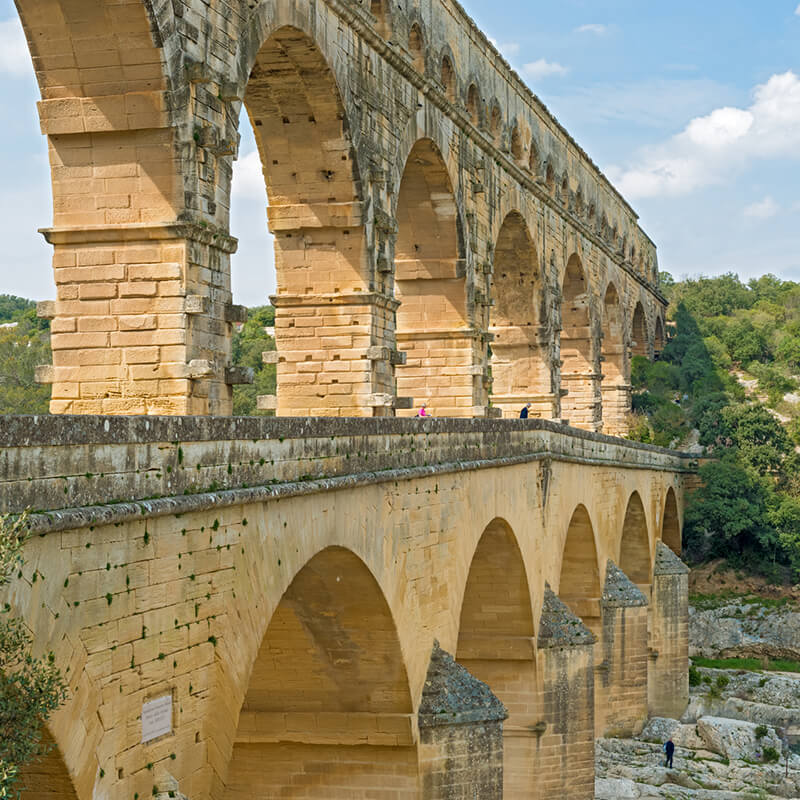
x: 156, y: 718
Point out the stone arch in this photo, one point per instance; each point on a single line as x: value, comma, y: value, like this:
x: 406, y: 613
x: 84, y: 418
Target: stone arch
x: 495, y: 644
x: 580, y: 203
x: 416, y: 46
x: 535, y: 160
x: 639, y: 338
x: 47, y: 777
x: 615, y: 388
x: 313, y: 182
x: 634, y: 550
x: 474, y: 105
x: 329, y: 664
x: 659, y: 339
x: 380, y: 9
x: 430, y: 278
x: 579, y: 581
x: 517, y: 144
x: 520, y: 369
x: 496, y: 123
x: 671, y: 533
x: 578, y: 406
x: 448, y: 77
x: 564, y: 190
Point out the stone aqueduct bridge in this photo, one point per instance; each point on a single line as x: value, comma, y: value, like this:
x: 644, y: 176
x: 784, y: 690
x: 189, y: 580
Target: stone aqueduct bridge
x: 439, y: 236
x: 286, y: 582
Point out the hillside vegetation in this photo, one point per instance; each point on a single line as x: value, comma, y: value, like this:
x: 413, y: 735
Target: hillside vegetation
x: 725, y: 381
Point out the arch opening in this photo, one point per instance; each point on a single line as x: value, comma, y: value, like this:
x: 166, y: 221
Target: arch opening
x: 416, y: 46
x: 579, y: 406
x: 660, y: 339
x: 615, y: 386
x: 639, y: 332
x: 520, y: 369
x: 671, y: 533
x: 517, y: 145
x: 496, y: 124
x: 430, y: 283
x: 495, y: 644
x: 634, y: 558
x: 314, y: 190
x: 579, y: 582
x: 329, y: 667
x: 474, y: 105
x: 448, y: 79
x: 379, y: 10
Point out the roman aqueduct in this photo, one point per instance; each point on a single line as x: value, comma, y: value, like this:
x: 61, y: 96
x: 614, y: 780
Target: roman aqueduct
x: 295, y: 590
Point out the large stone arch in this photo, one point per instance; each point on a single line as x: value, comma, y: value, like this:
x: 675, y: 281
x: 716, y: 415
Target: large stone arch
x: 635, y: 558
x: 616, y: 384
x: 430, y: 284
x: 671, y: 526
x: 580, y: 579
x: 579, y: 403
x: 495, y: 643
x: 323, y: 243
x: 329, y: 669
x: 520, y: 363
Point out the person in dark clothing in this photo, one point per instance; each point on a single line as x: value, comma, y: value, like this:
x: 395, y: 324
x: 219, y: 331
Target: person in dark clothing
x: 525, y: 413
x: 669, y: 749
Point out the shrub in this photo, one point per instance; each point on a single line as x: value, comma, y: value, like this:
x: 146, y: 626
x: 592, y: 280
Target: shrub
x: 695, y: 679
x: 770, y: 755
x: 761, y: 731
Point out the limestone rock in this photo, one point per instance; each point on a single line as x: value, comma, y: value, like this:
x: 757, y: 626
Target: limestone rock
x: 615, y: 789
x: 735, y: 739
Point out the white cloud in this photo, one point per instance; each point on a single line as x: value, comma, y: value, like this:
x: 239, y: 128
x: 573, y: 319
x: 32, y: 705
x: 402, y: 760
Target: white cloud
x: 596, y: 29
x: 711, y: 148
x: 764, y: 209
x: 248, y: 177
x: 544, y: 69
x: 14, y: 56
x: 508, y: 50
x: 797, y: 11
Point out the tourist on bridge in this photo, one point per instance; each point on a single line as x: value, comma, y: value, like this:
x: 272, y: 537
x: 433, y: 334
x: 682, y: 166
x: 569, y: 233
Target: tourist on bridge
x: 525, y: 413
x: 669, y: 749
x: 423, y: 411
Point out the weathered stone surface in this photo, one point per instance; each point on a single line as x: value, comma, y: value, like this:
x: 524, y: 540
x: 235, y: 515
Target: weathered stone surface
x: 619, y: 592
x: 734, y: 738
x: 667, y: 563
x: 559, y: 627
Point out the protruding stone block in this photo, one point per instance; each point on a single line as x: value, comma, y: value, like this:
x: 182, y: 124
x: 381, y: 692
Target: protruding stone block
x: 45, y: 374
x: 234, y: 313
x: 200, y: 368
x: 196, y: 304
x: 566, y: 659
x: 668, y: 670
x: 267, y: 402
x: 621, y: 676
x: 461, y: 734
x: 269, y: 357
x: 239, y: 376
x: 46, y: 309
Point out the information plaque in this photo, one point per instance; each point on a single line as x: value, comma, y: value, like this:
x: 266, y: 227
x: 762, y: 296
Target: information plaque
x: 156, y: 718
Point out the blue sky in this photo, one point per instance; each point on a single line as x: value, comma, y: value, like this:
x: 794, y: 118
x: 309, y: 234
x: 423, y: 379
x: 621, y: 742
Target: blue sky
x: 693, y: 109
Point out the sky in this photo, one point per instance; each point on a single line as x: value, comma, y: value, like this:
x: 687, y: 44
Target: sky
x: 691, y: 109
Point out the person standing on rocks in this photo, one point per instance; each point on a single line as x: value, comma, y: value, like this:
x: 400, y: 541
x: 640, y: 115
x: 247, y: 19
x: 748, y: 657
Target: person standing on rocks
x: 669, y: 749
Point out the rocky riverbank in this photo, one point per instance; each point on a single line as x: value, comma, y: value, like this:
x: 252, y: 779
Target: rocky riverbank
x: 729, y: 742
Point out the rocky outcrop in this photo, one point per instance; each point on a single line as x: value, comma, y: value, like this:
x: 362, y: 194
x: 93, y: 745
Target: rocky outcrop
x: 736, y: 739
x: 745, y: 630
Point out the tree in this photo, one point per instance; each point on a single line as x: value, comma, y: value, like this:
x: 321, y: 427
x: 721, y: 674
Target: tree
x: 248, y: 345
x: 761, y: 440
x: 30, y: 688
x: 727, y: 516
x: 22, y: 349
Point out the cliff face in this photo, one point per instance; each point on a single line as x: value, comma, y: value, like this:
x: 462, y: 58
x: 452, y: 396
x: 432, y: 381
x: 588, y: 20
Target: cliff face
x: 736, y: 738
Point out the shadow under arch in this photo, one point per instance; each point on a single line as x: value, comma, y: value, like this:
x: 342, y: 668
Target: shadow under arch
x: 634, y: 550
x: 671, y: 533
x: 430, y: 283
x: 615, y: 385
x: 520, y: 367
x: 496, y: 644
x: 329, y: 668
x: 48, y: 776
x: 579, y: 406
x: 579, y: 582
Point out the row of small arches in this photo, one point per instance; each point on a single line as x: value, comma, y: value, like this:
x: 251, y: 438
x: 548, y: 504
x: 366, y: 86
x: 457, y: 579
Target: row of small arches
x: 517, y: 140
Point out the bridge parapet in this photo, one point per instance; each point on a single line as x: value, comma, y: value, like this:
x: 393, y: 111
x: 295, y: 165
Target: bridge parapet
x: 115, y: 468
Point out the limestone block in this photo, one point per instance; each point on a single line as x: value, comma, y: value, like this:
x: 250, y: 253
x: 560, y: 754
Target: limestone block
x: 267, y: 402
x: 735, y: 739
x: 44, y: 374
x: 238, y: 376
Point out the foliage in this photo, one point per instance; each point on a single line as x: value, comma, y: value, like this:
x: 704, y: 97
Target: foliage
x: 22, y: 349
x: 248, y: 345
x: 31, y: 688
x: 769, y: 755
